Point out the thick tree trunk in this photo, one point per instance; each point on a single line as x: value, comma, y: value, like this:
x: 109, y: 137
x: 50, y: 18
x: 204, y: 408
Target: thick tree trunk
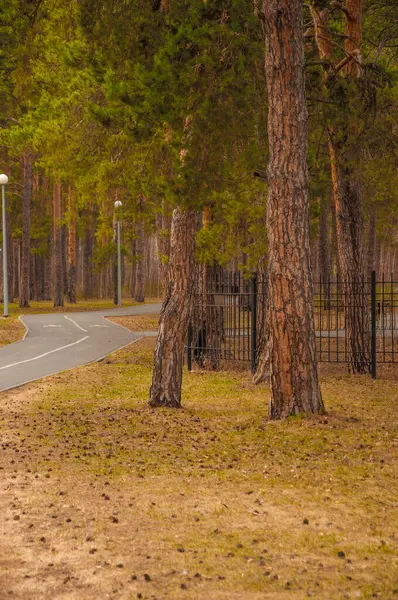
x: 24, y: 287
x: 140, y: 263
x: 72, y: 240
x: 175, y: 314
x: 58, y: 261
x: 293, y: 367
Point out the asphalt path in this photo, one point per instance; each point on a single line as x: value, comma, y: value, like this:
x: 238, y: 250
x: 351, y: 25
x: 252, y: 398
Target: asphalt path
x: 61, y: 341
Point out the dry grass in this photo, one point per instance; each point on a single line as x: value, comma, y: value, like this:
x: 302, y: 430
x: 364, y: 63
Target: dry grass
x: 138, y: 322
x: 103, y: 497
x: 11, y: 330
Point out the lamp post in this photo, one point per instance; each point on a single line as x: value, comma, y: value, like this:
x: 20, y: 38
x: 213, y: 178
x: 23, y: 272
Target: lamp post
x: 118, y: 205
x: 3, y: 182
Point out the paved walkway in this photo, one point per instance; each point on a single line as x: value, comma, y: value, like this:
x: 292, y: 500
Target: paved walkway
x: 58, y: 342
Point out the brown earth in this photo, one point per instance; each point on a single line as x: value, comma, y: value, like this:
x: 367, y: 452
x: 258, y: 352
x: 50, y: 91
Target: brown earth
x: 103, y: 497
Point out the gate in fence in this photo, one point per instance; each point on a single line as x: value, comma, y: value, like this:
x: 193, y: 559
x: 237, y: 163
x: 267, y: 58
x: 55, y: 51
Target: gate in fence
x: 355, y: 323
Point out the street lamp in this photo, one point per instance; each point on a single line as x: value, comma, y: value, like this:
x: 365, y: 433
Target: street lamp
x: 3, y: 182
x: 118, y: 205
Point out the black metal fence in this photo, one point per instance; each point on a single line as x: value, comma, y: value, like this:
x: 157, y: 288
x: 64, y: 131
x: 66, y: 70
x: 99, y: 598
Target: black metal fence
x: 356, y: 322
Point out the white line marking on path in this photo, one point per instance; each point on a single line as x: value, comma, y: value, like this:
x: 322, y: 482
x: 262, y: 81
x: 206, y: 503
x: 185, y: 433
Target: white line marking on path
x: 21, y: 362
x: 74, y: 323
x: 45, y: 326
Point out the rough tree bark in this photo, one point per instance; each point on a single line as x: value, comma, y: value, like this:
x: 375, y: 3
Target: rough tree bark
x: 58, y: 262
x: 293, y: 368
x: 175, y: 313
x: 24, y: 286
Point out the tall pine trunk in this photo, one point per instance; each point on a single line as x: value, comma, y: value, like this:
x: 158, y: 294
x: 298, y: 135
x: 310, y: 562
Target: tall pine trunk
x: 175, y: 313
x: 293, y: 367
x: 88, y: 256
x: 139, y: 292
x: 347, y: 187
x: 163, y: 224
x: 372, y: 242
x: 10, y: 270
x: 72, y: 241
x: 24, y: 286
x: 347, y: 193
x: 324, y: 249
x: 58, y: 259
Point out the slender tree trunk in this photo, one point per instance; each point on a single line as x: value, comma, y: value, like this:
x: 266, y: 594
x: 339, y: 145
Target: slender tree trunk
x: 10, y: 270
x: 347, y: 188
x: 262, y: 346
x: 88, y: 257
x: 133, y: 266
x: 372, y: 242
x: 163, y: 224
x: 293, y: 367
x: 350, y: 245
x: 175, y: 314
x: 334, y: 237
x: 207, y: 318
x: 72, y: 239
x: 24, y: 288
x: 140, y: 264
x: 16, y: 255
x: 324, y: 250
x: 58, y: 262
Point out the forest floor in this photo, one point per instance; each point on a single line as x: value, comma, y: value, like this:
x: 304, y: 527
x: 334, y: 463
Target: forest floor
x: 12, y: 330
x: 103, y: 497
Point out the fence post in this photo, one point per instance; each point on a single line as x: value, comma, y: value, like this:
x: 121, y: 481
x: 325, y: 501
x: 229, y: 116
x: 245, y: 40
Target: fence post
x: 189, y: 348
x: 373, y: 320
x: 254, y: 322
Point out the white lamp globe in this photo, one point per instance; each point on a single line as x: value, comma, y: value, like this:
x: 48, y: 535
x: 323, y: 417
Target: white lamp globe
x: 118, y: 204
x: 3, y: 179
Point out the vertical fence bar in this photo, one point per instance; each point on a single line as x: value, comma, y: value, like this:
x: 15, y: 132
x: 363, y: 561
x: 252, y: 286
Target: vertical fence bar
x: 373, y: 317
x: 254, y: 322
x: 189, y: 348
